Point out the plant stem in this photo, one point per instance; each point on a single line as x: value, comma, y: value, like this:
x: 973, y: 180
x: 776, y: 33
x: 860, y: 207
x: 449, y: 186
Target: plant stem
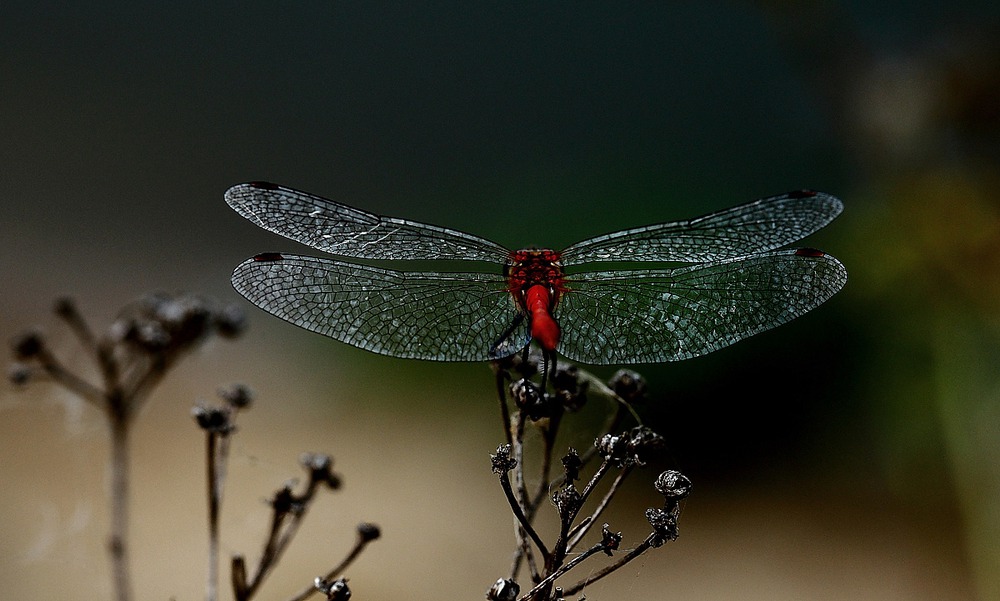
x: 501, y: 380
x: 284, y: 525
x: 214, y: 490
x: 359, y: 546
x: 562, y: 570
x: 119, y: 505
x: 585, y: 525
x: 636, y: 552
x: 516, y: 508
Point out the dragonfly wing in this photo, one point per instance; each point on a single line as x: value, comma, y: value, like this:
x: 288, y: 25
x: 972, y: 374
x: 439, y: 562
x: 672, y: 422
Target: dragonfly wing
x: 348, y: 232
x: 755, y: 227
x: 651, y: 316
x: 434, y: 316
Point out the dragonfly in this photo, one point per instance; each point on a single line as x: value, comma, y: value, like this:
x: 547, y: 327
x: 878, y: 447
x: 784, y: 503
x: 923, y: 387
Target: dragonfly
x: 712, y: 281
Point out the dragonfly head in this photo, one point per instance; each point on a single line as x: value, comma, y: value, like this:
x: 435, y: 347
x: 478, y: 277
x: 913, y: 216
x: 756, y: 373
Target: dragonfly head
x: 533, y: 266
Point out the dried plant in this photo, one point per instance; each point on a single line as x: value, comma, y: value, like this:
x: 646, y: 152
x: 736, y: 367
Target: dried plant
x: 288, y: 508
x: 132, y: 356
x: 152, y: 334
x: 619, y: 454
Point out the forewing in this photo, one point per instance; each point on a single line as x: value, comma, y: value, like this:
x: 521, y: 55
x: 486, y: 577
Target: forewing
x: 348, y: 232
x: 755, y: 227
x: 434, y: 316
x: 651, y: 316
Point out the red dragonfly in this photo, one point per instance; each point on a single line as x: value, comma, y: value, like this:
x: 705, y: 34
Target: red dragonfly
x: 729, y: 279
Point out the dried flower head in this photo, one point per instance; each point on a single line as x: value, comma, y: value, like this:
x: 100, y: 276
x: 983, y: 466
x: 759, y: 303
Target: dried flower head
x: 664, y: 523
x: 628, y: 385
x: 368, y: 531
x: 27, y: 345
x: 320, y: 469
x: 18, y: 374
x: 284, y: 501
x: 213, y: 419
x: 570, y: 390
x: 335, y: 590
x: 237, y: 396
x: 673, y: 485
x: 644, y: 444
x: 503, y: 590
x: 571, y: 465
x: 502, y: 461
x: 566, y: 499
x: 65, y: 308
x: 527, y: 396
x: 164, y: 323
x: 612, y: 448
x: 231, y: 321
x: 610, y: 541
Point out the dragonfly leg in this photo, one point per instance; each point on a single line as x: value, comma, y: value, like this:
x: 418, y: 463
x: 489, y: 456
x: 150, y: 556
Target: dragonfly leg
x: 548, y: 375
x: 503, y: 340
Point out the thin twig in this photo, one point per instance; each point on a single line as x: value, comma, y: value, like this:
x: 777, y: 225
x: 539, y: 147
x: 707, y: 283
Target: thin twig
x: 359, y: 546
x: 117, y: 545
x: 518, y: 454
x: 108, y: 364
x: 67, y: 311
x: 139, y: 386
x: 284, y: 526
x: 516, y: 508
x: 214, y: 501
x: 562, y: 570
x: 567, y: 517
x: 604, y: 389
x: 54, y: 368
x: 636, y: 552
x: 545, y: 473
x: 601, y: 470
x: 519, y: 498
x: 525, y: 513
x: 585, y: 525
x: 501, y: 381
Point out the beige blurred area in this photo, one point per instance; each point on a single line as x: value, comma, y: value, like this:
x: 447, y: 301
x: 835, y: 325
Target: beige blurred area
x: 420, y: 470
x: 425, y: 479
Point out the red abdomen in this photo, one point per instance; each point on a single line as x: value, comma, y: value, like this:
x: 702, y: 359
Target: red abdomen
x: 544, y: 328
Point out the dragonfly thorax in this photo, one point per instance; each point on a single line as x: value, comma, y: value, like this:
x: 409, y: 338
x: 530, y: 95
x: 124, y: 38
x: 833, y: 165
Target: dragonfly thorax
x: 534, y: 267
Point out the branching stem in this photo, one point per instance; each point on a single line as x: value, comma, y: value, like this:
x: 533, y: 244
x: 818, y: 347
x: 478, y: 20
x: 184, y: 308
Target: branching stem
x: 585, y: 525
x: 562, y: 570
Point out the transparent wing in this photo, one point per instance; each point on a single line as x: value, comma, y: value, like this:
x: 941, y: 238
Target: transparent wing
x: 650, y: 316
x: 435, y: 316
x: 752, y: 228
x: 348, y: 232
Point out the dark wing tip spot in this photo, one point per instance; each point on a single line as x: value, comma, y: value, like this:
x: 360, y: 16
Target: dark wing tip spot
x: 802, y: 194
x: 809, y: 252
x: 263, y: 185
x: 268, y: 257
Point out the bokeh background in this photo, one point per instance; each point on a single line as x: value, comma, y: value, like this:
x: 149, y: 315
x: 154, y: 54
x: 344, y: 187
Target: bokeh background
x: 852, y: 454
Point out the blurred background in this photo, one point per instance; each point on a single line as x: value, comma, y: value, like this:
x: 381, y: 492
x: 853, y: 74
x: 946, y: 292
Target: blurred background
x: 852, y: 454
